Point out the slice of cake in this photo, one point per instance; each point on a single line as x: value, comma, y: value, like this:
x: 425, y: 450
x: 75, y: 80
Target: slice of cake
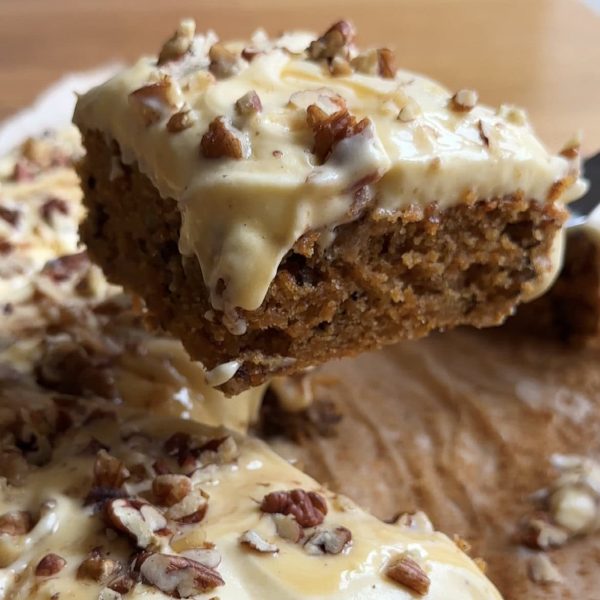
x: 281, y: 202
x: 102, y: 503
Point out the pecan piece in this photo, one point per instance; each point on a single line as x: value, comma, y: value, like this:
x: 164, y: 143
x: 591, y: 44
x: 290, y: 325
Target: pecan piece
x: 109, y: 472
x: 328, y: 541
x: 309, y: 508
x: 408, y: 573
x: 253, y: 540
x: 51, y: 564
x: 154, y: 100
x: 139, y: 519
x: 248, y: 104
x: 179, y: 44
x: 386, y: 63
x: 191, y: 509
x: 18, y: 522
x: 53, y: 206
x: 335, y: 41
x: 9, y: 215
x: 181, y: 121
x: 223, y: 62
x: 287, y: 528
x: 171, y: 489
x: 178, y: 576
x: 221, y: 141
x: 464, y: 100
x: 97, y: 568
x: 329, y: 130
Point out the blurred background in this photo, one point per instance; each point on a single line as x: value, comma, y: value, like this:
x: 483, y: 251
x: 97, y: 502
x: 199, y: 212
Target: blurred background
x: 540, y: 54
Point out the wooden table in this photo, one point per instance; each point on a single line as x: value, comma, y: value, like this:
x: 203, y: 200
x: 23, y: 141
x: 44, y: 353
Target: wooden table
x: 541, y: 54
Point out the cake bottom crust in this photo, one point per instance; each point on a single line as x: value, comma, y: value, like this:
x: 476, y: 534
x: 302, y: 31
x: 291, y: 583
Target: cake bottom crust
x: 382, y: 279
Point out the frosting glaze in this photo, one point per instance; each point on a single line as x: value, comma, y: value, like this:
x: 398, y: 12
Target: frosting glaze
x: 234, y: 485
x: 240, y: 217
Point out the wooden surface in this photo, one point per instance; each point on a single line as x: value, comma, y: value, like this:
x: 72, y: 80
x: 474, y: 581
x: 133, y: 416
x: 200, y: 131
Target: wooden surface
x: 541, y: 54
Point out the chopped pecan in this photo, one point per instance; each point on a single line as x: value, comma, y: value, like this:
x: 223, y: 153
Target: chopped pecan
x: 542, y: 570
x: 63, y: 268
x: 410, y: 111
x: 558, y: 188
x: 219, y: 450
x: 309, y: 508
x: 23, y: 171
x: 464, y: 100
x: 139, y: 519
x: 221, y: 141
x: 328, y: 541
x: 181, y: 120
x: 109, y: 472
x: 408, y: 573
x: 485, y: 132
x: 540, y: 534
x: 9, y: 215
x: 209, y: 556
x: 97, y: 567
x: 248, y: 104
x: 179, y: 44
x: 178, y: 576
x: 53, y: 206
x: 575, y: 508
x: 171, y: 489
x: 335, y: 41
x: 18, y: 522
x: 253, y: 540
x: 153, y: 101
x: 50, y: 565
x: 339, y: 67
x: 223, y: 62
x: 386, y: 62
x: 329, y: 130
x: 287, y: 528
x: 191, y: 509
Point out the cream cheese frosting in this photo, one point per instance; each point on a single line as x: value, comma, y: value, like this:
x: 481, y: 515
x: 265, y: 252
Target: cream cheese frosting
x: 240, y: 216
x: 232, y: 476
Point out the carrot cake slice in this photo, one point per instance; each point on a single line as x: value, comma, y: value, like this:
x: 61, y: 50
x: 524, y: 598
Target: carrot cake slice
x: 283, y: 201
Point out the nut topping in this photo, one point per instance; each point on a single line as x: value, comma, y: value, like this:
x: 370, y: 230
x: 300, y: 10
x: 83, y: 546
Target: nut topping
x: 542, y: 535
x: 223, y: 62
x: 53, y: 206
x: 154, y: 100
x: 178, y: 576
x: 386, y: 62
x: 9, y: 215
x: 329, y: 130
x: 221, y: 141
x: 181, y: 121
x: 335, y: 41
x: 179, y: 43
x: 136, y: 518
x: 328, y: 541
x: 191, y: 509
x: 253, y: 540
x: 287, y: 527
x: 50, y: 565
x: 542, y: 570
x: 248, y: 104
x: 97, y: 567
x: 109, y: 472
x: 464, y: 100
x: 15, y: 523
x: 209, y: 557
x: 408, y: 573
x: 309, y: 508
x: 171, y: 489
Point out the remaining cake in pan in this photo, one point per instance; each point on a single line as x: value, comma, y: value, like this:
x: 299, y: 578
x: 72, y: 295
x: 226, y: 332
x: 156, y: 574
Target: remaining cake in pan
x: 101, y: 502
x: 281, y: 202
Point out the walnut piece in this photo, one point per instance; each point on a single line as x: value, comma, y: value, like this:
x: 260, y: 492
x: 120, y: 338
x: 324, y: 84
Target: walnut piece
x: 335, y: 41
x: 178, y: 576
x: 221, y: 141
x: 18, y: 522
x: 51, y: 564
x: 253, y: 540
x: 248, y: 104
x: 179, y: 44
x: 309, y: 508
x: 329, y: 130
x: 328, y: 541
x: 137, y: 518
x: 171, y: 489
x: 464, y: 100
x: 407, y: 572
